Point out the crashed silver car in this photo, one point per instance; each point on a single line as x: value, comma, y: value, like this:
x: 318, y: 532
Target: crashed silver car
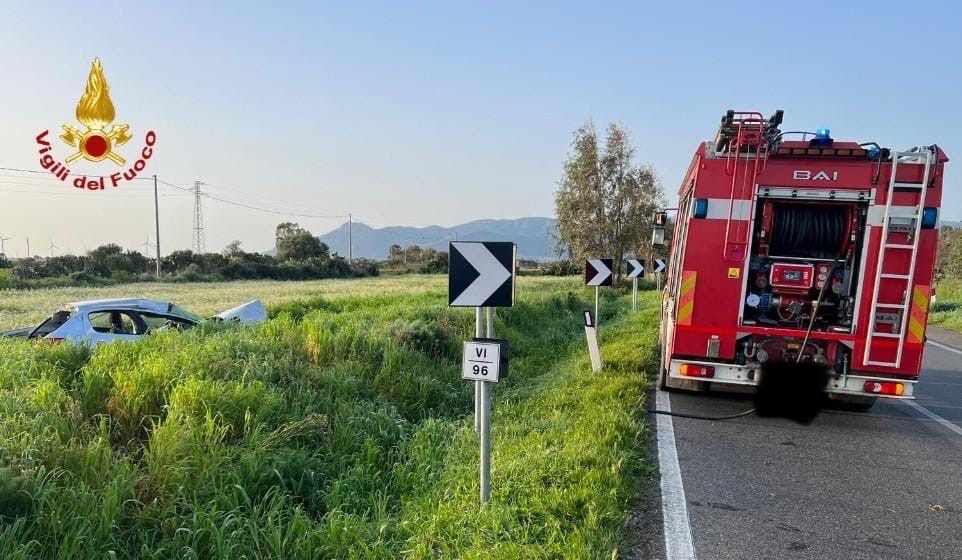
x: 106, y: 320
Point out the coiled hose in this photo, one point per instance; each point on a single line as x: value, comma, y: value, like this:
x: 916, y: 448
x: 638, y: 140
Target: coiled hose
x: 800, y: 230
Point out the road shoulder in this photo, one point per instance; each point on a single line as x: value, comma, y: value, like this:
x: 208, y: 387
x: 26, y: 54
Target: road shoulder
x: 944, y: 337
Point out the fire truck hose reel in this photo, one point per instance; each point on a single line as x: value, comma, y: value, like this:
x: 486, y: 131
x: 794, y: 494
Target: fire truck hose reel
x: 808, y: 231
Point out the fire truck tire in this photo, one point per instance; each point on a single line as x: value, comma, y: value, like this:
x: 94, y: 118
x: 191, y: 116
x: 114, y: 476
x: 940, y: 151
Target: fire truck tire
x: 853, y: 402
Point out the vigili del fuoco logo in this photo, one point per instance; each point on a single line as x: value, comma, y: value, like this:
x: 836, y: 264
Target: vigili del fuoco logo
x: 93, y: 141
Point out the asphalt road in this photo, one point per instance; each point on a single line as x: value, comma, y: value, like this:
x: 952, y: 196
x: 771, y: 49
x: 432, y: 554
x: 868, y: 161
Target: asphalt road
x: 881, y: 484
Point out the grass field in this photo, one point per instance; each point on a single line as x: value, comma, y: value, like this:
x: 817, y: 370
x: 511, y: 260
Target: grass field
x: 947, y: 311
x: 338, y: 429
x: 22, y: 308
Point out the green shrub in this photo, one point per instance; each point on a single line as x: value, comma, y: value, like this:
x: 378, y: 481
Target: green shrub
x: 423, y: 335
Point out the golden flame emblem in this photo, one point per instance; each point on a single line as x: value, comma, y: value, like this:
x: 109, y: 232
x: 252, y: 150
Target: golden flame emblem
x: 95, y: 111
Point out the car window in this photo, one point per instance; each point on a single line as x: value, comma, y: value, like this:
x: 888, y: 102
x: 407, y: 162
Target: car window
x: 157, y: 321
x: 52, y: 323
x: 113, y: 322
x: 181, y: 312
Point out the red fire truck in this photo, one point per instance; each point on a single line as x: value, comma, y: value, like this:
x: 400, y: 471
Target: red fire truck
x: 796, y: 247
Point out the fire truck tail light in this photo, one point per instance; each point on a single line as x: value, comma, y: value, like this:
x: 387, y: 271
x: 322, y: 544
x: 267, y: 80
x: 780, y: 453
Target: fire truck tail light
x: 884, y: 388
x: 692, y: 370
x: 701, y: 208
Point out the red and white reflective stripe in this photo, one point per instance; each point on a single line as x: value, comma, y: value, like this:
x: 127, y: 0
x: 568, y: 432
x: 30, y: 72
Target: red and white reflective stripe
x: 876, y: 213
x: 718, y: 209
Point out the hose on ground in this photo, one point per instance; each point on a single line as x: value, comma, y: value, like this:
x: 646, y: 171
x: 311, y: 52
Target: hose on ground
x: 699, y: 416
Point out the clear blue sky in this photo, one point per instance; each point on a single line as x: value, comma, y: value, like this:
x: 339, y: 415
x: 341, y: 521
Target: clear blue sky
x: 422, y: 113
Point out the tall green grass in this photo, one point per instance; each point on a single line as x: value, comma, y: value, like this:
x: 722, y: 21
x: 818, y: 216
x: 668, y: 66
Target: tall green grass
x: 947, y: 310
x: 340, y: 428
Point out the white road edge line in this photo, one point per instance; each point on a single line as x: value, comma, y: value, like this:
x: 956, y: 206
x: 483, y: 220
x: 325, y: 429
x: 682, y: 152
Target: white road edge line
x: 934, y: 416
x: 674, y: 507
x: 944, y: 347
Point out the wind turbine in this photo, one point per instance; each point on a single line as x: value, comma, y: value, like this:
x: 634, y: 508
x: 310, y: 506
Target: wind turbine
x: 147, y: 245
x: 52, y: 247
x: 2, y: 246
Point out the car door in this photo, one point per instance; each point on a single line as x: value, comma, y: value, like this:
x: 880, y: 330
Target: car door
x: 108, y: 325
x: 154, y: 322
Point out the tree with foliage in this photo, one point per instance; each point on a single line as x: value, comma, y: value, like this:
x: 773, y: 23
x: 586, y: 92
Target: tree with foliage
x: 953, y: 261
x: 413, y: 253
x: 605, y: 202
x: 395, y: 253
x: 233, y: 249
x: 295, y: 243
x: 949, y: 238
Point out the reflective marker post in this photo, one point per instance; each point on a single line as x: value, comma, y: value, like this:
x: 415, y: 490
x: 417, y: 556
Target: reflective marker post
x: 593, y: 352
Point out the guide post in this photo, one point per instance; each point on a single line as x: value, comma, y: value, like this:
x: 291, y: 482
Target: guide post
x: 481, y: 275
x: 598, y: 273
x: 636, y: 269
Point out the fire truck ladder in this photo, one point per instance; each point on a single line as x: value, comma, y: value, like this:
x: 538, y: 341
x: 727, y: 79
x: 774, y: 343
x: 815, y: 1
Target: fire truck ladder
x: 926, y: 157
x: 750, y: 145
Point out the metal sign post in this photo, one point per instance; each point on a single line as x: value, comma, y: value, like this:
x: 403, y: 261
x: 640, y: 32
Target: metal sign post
x: 478, y: 333
x: 481, y: 275
x: 485, y: 360
x: 486, y: 424
x: 597, y: 292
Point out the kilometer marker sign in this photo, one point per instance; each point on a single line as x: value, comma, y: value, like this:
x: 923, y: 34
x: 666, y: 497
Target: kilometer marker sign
x: 481, y: 361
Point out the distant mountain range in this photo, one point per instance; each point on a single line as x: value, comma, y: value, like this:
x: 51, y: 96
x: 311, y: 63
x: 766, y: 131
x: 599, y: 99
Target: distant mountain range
x: 528, y: 233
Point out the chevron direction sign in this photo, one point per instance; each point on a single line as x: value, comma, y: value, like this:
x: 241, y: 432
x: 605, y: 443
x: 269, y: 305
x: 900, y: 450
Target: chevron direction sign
x: 481, y: 273
x: 636, y: 268
x: 598, y: 272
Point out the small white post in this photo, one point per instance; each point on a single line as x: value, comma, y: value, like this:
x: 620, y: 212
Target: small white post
x: 634, y: 294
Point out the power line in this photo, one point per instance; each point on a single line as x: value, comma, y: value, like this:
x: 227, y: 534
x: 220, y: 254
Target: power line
x: 203, y: 194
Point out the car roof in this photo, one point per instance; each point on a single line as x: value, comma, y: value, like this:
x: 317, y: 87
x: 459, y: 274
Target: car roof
x: 122, y: 303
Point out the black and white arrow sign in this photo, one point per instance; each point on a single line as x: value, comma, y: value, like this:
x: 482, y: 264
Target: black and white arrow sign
x: 636, y: 268
x: 659, y: 265
x: 598, y: 272
x: 481, y: 274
